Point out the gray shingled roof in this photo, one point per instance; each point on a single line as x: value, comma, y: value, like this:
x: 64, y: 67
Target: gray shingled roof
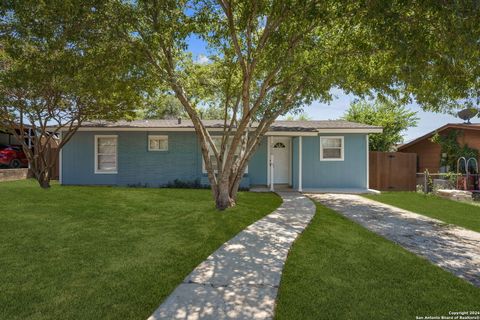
x: 313, y: 125
x: 279, y: 125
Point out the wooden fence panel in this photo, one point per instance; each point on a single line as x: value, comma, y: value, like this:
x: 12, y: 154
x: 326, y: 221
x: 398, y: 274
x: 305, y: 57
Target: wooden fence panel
x: 54, y: 172
x: 392, y: 171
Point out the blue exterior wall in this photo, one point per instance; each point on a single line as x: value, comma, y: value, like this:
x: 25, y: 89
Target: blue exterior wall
x: 136, y: 165
x: 257, y: 167
x: 155, y: 168
x: 78, y: 161
x: 349, y: 173
x: 183, y: 161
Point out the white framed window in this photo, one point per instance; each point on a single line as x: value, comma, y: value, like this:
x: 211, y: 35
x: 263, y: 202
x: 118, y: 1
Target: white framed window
x: 332, y: 148
x: 157, y: 143
x: 217, y: 140
x: 106, y: 154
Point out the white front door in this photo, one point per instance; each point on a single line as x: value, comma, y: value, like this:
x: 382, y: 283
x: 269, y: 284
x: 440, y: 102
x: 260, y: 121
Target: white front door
x: 280, y: 150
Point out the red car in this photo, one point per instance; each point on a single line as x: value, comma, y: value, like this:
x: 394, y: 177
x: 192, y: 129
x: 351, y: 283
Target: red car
x: 12, y: 156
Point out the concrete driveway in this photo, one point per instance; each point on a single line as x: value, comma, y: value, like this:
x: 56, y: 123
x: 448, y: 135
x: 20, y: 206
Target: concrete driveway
x: 450, y: 247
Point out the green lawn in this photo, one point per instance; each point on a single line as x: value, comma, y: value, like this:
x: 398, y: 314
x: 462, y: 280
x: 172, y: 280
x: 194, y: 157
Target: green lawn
x: 339, y: 270
x: 107, y: 253
x: 449, y: 211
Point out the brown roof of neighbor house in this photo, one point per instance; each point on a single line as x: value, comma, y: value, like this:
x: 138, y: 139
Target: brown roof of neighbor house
x: 470, y: 126
x: 279, y: 125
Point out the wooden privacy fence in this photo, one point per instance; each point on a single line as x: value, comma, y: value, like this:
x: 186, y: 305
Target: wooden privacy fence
x: 392, y: 171
x: 55, y: 171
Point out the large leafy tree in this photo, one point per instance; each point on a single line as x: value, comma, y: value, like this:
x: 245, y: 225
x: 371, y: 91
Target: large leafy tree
x: 163, y: 106
x: 60, y: 65
x: 270, y: 57
x: 393, y: 118
x: 167, y: 106
x: 301, y: 116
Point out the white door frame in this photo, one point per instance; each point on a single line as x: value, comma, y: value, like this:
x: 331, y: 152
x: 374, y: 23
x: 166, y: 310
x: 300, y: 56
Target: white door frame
x: 269, y: 153
x: 290, y: 169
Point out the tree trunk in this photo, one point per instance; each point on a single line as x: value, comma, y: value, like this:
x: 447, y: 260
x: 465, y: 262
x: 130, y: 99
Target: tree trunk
x: 40, y: 168
x: 234, y: 186
x: 44, y: 181
x: 223, y: 198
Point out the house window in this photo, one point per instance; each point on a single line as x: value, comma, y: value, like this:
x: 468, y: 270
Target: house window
x: 157, y: 143
x: 106, y: 154
x: 217, y: 140
x: 331, y: 148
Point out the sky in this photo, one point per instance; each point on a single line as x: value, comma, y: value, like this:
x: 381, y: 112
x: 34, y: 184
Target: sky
x: 428, y: 121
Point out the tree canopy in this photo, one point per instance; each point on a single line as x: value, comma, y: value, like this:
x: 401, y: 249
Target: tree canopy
x: 162, y: 107
x: 393, y: 118
x: 167, y: 106
x: 268, y: 58
x: 61, y: 64
x: 302, y: 116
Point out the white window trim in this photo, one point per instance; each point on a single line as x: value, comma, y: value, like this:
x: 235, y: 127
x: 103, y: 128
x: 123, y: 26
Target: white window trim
x: 97, y: 171
x: 204, y: 170
x: 60, y: 161
x: 342, y: 150
x: 157, y: 137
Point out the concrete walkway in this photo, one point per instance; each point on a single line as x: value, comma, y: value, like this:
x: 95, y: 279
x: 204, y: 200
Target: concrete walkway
x: 453, y: 248
x: 240, y: 280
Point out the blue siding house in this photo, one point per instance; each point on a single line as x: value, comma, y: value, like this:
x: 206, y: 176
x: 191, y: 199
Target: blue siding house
x: 303, y: 155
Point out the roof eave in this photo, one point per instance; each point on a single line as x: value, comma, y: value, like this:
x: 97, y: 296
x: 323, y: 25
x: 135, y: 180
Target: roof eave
x: 271, y: 132
x: 350, y: 130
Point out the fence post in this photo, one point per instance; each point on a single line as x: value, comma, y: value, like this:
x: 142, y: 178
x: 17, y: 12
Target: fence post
x: 425, y: 181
